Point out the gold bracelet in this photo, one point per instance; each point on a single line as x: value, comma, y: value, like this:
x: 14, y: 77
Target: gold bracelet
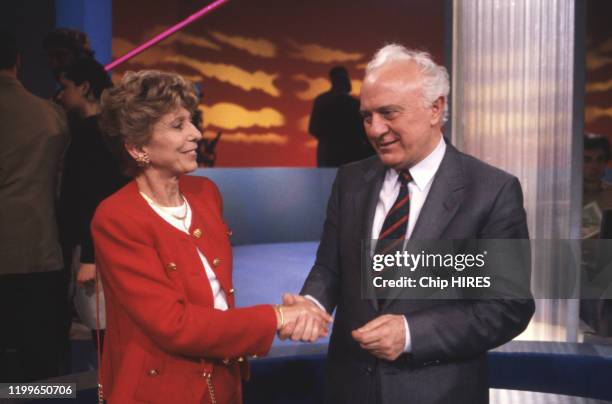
x: 282, y: 317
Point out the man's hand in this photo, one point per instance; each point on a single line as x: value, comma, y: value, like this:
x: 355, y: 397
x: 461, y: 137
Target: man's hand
x: 309, y: 325
x: 384, y: 337
x: 86, y: 274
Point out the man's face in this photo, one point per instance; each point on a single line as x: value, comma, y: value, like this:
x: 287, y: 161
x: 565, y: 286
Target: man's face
x: 401, y: 127
x: 594, y: 164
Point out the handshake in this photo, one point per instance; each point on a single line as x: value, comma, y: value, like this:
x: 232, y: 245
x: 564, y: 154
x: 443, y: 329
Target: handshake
x: 301, y: 319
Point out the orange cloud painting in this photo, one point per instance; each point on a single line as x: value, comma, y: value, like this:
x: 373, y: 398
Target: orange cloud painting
x: 260, y: 64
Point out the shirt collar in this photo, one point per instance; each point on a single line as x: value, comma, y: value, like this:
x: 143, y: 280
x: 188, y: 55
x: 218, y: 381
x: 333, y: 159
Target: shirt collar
x: 423, y: 172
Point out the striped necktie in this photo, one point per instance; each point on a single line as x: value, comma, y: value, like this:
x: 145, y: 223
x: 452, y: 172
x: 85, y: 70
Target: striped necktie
x: 393, y: 230
x: 396, y: 222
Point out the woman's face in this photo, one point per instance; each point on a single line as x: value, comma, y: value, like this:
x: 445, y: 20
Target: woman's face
x: 173, y: 144
x: 71, y: 96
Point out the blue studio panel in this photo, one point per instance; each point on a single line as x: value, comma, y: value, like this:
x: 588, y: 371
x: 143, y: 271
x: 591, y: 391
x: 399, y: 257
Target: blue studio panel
x: 93, y: 17
x: 273, y: 205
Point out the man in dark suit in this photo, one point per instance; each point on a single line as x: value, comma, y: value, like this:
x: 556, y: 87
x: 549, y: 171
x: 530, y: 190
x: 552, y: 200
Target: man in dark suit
x: 33, y: 137
x: 418, y: 187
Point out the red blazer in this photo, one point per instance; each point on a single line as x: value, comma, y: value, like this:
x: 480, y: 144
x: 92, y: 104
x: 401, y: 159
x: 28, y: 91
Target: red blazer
x: 164, y: 339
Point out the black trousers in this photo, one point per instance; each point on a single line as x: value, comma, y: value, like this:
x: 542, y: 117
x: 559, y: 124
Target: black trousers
x: 32, y: 334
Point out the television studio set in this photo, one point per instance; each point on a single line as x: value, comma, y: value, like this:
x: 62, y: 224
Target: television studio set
x: 306, y: 202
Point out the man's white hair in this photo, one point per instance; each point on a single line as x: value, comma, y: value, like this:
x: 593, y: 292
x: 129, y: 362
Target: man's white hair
x: 436, y: 82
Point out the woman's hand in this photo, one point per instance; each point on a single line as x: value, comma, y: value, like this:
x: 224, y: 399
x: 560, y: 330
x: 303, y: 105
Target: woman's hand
x: 302, y: 320
x: 86, y: 274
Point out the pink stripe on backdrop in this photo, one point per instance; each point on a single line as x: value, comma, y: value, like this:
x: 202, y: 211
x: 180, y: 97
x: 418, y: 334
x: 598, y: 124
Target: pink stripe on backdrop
x: 165, y: 34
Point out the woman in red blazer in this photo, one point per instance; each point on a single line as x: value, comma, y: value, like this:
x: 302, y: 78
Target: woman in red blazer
x: 163, y: 250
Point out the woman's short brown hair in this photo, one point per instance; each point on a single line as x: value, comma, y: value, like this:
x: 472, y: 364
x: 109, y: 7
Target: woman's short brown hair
x: 136, y: 103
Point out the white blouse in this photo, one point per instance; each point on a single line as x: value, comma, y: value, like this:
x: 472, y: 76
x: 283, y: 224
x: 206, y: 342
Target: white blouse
x: 220, y: 300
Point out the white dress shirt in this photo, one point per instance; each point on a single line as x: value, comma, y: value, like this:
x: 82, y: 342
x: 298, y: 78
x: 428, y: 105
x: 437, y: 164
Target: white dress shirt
x: 422, y: 177
x: 220, y: 301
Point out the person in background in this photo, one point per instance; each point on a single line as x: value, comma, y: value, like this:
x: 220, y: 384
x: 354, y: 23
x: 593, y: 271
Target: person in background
x: 91, y: 173
x: 336, y: 124
x: 596, y: 158
x: 33, y: 137
x: 174, y: 333
x: 596, y: 200
x: 63, y: 46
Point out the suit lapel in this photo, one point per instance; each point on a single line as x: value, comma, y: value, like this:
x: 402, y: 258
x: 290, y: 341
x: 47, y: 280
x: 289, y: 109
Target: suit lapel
x: 365, y: 201
x: 443, y: 199
x: 441, y: 205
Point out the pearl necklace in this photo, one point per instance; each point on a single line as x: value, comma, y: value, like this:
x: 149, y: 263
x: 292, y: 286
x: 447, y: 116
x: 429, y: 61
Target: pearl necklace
x: 181, y: 217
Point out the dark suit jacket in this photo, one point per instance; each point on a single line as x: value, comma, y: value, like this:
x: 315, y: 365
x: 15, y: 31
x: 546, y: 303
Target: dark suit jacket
x: 467, y: 200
